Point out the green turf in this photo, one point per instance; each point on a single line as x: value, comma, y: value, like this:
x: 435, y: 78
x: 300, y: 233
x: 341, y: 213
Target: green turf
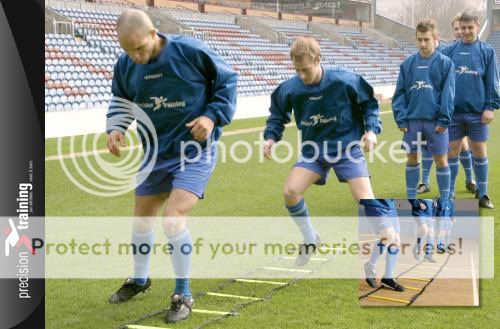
x: 255, y: 189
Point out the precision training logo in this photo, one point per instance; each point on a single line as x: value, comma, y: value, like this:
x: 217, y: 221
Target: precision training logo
x: 421, y: 85
x: 465, y: 70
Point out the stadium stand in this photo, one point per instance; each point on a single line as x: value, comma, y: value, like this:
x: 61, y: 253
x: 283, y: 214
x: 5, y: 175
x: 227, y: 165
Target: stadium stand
x: 79, y: 67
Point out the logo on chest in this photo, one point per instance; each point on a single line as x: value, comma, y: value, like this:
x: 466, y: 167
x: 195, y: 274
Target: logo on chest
x: 318, y: 119
x: 465, y: 70
x: 421, y: 85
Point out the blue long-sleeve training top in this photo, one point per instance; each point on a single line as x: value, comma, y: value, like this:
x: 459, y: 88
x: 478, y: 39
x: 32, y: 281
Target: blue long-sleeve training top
x: 341, y: 108
x: 425, y: 90
x: 476, y: 76
x: 185, y: 81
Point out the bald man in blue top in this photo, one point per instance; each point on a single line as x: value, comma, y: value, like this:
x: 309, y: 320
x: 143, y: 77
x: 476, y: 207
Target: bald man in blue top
x: 188, y: 92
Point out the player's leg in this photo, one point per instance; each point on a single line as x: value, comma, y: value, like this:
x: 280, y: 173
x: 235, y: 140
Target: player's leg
x: 479, y: 151
x: 456, y: 131
x: 146, y: 209
x: 427, y: 161
x: 361, y: 188
x: 466, y: 161
x: 454, y: 151
x: 429, y: 246
x: 188, y: 185
x: 412, y: 175
x: 179, y: 205
x: 386, y: 236
x: 298, y: 181
x: 421, y: 234
x: 443, y: 176
x: 391, y: 260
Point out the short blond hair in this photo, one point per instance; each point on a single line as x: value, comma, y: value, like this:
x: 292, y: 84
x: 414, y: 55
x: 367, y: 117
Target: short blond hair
x: 456, y: 19
x: 305, y: 46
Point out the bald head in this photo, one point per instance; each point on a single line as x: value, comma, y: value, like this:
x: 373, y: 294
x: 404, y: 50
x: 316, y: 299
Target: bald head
x: 137, y: 36
x: 133, y: 21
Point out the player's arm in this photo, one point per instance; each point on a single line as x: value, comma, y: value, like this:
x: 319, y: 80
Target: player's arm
x: 447, y: 96
x: 119, y: 115
x: 222, y: 101
x: 368, y: 106
x: 281, y: 110
x: 399, y: 102
x: 490, y: 79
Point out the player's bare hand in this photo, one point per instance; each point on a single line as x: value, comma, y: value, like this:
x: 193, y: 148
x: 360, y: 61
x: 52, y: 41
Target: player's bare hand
x: 369, y: 141
x: 201, y: 128
x: 115, y: 141
x: 487, y: 117
x: 440, y: 130
x: 403, y: 129
x: 267, y: 148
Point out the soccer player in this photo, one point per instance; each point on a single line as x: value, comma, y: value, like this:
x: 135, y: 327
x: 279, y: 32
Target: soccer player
x: 443, y: 228
x: 383, y: 218
x: 476, y: 99
x: 197, y: 90
x: 423, y: 212
x: 423, y: 105
x: 334, y: 110
x: 465, y: 155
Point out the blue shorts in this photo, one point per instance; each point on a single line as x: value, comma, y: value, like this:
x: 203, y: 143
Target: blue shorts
x: 436, y: 143
x: 171, y: 173
x: 468, y: 124
x: 381, y: 218
x: 345, y: 167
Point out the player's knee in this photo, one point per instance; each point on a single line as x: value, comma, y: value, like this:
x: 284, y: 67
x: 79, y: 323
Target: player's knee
x: 412, y: 158
x: 387, y: 237
x: 291, y: 195
x: 430, y: 232
x: 479, y: 149
x: 423, y: 230
x: 441, y: 161
x: 143, y: 224
x: 174, y: 225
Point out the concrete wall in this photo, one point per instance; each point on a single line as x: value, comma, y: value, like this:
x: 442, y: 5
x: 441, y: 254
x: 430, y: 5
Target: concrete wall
x: 72, y: 123
x: 390, y: 27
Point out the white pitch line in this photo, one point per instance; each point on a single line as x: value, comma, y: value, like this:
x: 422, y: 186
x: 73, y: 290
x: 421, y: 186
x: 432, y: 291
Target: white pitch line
x: 195, y: 310
x: 128, y: 148
x: 474, y: 282
x: 276, y: 283
x: 134, y: 326
x: 286, y: 269
x: 232, y: 296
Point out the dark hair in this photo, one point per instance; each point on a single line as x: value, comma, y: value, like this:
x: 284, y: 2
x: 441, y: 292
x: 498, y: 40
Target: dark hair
x: 427, y: 25
x: 465, y: 17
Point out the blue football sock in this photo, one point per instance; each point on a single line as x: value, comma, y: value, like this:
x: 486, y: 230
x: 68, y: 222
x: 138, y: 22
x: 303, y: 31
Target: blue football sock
x: 427, y: 161
x: 391, y: 259
x: 181, y: 247
x: 466, y: 161
x: 481, y: 172
x: 443, y: 180
x: 143, y: 246
x: 378, y: 249
x: 453, y: 164
x: 300, y: 216
x: 429, y: 245
x: 412, y: 178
